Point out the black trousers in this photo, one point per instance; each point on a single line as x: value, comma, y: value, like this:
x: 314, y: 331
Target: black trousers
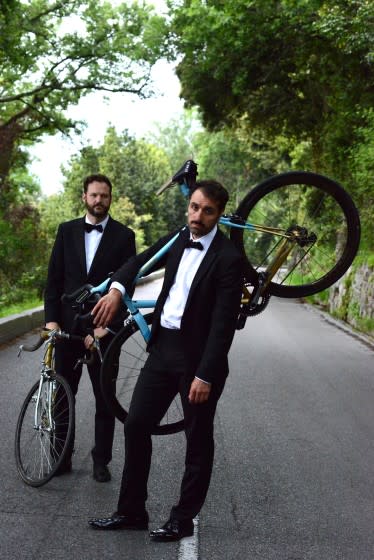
x: 66, y: 356
x: 163, y: 376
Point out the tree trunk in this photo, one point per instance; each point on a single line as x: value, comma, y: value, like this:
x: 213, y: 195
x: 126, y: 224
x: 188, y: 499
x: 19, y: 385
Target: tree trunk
x: 9, y: 134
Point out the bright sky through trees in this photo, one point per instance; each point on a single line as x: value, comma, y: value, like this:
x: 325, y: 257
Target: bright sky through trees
x: 122, y: 110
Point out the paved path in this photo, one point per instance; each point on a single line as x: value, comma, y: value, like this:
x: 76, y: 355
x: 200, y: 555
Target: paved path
x: 293, y: 478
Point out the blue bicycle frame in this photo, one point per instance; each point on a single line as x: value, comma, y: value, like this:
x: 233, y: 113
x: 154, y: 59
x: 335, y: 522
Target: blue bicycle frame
x: 135, y: 305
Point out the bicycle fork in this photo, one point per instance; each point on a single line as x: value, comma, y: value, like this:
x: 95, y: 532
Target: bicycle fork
x: 255, y: 302
x: 45, y: 424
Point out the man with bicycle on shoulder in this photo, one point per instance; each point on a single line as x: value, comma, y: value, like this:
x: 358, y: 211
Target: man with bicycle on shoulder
x: 194, y: 323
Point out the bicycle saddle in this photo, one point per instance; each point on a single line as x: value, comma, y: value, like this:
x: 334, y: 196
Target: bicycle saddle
x: 186, y: 174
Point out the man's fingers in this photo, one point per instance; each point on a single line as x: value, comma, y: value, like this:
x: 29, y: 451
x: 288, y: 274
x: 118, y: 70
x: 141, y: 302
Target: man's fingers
x: 106, y: 308
x: 199, y: 392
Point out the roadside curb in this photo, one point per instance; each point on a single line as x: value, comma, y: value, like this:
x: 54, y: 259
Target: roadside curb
x: 21, y: 323
x: 339, y: 324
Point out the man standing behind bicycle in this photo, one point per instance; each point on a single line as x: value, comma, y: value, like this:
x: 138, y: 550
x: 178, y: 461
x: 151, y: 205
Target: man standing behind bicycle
x: 194, y: 323
x: 86, y: 250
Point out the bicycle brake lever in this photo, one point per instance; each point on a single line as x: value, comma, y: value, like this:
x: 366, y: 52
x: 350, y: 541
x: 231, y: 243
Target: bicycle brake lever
x: 97, y: 348
x: 90, y: 360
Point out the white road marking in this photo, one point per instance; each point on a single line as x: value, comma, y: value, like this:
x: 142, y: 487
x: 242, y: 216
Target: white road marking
x: 189, y: 546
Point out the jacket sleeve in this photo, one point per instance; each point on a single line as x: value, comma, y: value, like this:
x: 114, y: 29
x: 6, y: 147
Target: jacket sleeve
x: 55, y: 280
x: 229, y: 287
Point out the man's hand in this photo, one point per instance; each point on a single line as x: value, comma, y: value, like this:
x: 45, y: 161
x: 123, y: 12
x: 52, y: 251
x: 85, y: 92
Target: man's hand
x: 52, y: 326
x: 98, y: 333
x: 199, y: 392
x: 106, y: 308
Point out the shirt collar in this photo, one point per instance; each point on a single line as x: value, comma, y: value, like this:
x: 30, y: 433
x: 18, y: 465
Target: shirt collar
x: 103, y: 223
x: 206, y: 240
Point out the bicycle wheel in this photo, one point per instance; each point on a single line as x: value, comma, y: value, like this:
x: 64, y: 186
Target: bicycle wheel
x: 299, y: 200
x: 43, y: 430
x: 127, y: 354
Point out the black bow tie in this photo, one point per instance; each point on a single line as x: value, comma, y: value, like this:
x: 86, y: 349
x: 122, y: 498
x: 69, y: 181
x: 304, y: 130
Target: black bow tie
x: 194, y: 245
x: 89, y: 227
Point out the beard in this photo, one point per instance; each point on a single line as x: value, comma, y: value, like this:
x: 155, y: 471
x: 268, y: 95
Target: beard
x: 97, y: 210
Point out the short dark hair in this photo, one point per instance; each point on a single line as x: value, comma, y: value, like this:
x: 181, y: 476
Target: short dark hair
x: 99, y: 178
x: 213, y: 190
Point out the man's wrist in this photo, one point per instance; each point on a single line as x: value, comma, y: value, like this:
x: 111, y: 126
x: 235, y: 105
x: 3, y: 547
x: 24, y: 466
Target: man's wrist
x: 203, y: 380
x: 117, y: 286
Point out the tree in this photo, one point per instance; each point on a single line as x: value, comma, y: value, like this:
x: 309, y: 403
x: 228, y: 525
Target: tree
x: 303, y: 69
x: 177, y: 138
x: 53, y: 52
x: 136, y: 169
x: 238, y: 159
x: 20, y: 242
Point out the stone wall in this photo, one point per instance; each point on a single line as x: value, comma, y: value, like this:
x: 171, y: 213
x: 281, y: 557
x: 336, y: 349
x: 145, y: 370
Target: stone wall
x: 352, y: 298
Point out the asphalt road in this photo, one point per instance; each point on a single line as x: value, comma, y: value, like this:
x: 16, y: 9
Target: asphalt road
x: 293, y: 477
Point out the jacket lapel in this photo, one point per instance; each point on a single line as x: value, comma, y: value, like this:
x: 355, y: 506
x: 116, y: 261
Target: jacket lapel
x: 209, y: 258
x: 103, y: 247
x: 174, y: 259
x: 78, y: 240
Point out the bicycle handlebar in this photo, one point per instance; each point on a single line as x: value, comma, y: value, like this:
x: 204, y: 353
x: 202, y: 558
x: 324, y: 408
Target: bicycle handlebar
x: 49, y: 334
x: 46, y: 335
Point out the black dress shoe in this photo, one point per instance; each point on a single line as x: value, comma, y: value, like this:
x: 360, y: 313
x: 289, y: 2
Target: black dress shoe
x: 64, y: 468
x: 101, y: 473
x: 173, y: 530
x: 116, y: 521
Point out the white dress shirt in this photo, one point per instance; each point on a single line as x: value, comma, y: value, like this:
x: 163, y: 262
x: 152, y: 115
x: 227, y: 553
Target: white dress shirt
x: 176, y: 301
x: 92, y: 240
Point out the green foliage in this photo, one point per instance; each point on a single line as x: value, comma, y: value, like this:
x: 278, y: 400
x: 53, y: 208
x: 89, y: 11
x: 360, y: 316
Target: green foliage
x: 20, y: 251
x: 136, y: 169
x: 123, y: 210
x: 361, y: 163
x: 18, y: 307
x: 52, y: 53
x: 301, y: 72
x: 283, y: 65
x: 177, y: 138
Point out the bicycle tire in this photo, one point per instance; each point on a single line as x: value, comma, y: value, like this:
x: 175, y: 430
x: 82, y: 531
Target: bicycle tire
x: 127, y: 354
x: 40, y: 450
x: 312, y: 201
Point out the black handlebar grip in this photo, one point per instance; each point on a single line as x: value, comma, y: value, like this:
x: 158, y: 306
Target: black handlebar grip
x: 78, y: 296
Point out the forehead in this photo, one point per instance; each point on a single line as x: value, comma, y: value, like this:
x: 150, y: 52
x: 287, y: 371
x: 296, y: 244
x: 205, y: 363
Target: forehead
x: 198, y: 197
x: 98, y: 187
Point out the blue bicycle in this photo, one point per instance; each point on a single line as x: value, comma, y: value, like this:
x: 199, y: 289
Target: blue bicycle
x: 299, y: 232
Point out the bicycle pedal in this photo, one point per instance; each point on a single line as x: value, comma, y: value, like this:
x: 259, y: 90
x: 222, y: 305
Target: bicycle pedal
x: 241, y: 322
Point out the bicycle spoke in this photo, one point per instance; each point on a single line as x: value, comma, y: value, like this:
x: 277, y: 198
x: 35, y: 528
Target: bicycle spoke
x: 131, y: 347
x: 320, y: 219
x: 42, y: 435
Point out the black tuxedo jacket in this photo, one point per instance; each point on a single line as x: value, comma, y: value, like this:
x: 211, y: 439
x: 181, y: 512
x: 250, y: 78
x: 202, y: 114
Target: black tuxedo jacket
x: 210, y: 316
x: 67, y: 266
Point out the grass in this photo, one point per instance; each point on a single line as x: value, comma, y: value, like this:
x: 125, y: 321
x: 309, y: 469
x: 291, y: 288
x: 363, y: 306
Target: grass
x: 7, y: 310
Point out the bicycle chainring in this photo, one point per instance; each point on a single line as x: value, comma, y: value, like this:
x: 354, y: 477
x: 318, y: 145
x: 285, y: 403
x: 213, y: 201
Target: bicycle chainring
x: 250, y: 309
